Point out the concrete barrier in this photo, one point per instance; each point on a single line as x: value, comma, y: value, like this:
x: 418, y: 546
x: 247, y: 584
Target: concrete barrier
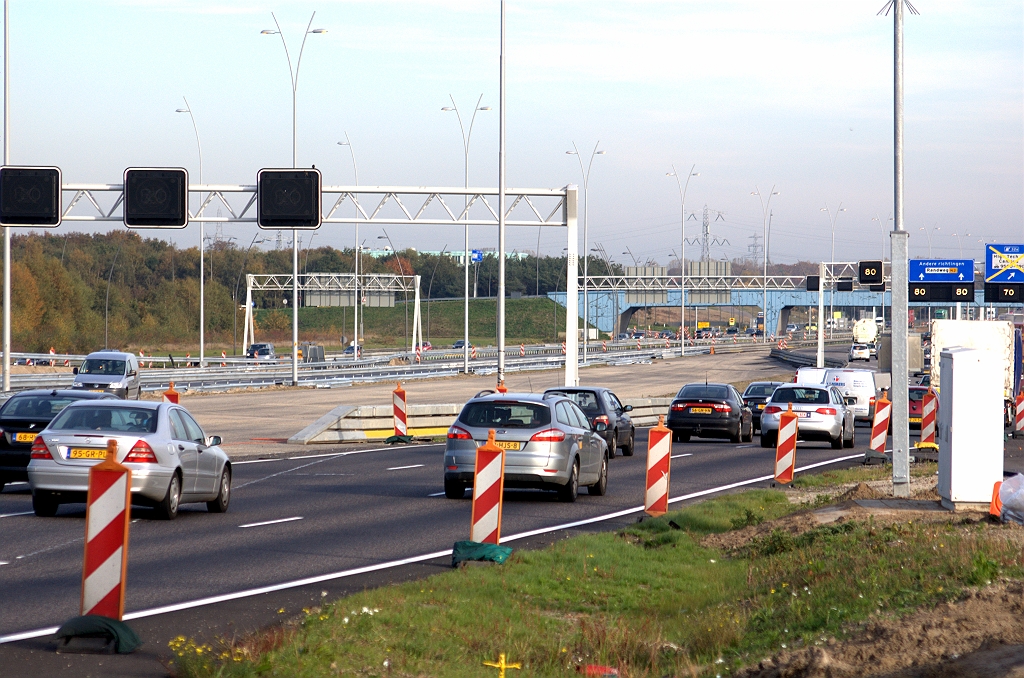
x: 349, y: 424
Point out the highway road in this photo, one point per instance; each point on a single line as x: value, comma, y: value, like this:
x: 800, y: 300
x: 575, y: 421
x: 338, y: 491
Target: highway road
x: 321, y: 512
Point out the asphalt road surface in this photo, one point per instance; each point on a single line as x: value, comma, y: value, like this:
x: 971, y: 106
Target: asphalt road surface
x: 304, y: 516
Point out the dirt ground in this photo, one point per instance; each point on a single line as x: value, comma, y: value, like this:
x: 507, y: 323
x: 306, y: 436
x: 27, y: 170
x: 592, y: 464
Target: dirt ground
x: 981, y: 635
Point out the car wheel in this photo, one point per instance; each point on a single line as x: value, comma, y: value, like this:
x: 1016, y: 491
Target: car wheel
x: 627, y: 449
x: 852, y: 442
x: 571, y: 489
x: 738, y: 436
x: 768, y: 438
x: 749, y: 438
x: 167, y: 509
x: 43, y: 504
x: 613, y: 443
x: 601, y: 486
x: 220, y: 504
x: 837, y: 443
x: 453, y: 489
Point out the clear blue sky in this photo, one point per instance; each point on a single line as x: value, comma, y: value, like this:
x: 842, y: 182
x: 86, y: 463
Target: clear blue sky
x: 791, y: 93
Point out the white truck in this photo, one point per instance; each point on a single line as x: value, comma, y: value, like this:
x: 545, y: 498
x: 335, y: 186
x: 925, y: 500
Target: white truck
x: 992, y: 335
x: 865, y: 331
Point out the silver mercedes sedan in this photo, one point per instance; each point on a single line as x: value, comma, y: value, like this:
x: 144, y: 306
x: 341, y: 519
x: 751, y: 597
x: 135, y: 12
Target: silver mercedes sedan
x: 823, y: 414
x: 171, y: 459
x: 549, y: 441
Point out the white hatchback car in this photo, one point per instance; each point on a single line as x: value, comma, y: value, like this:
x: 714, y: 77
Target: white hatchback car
x: 860, y: 352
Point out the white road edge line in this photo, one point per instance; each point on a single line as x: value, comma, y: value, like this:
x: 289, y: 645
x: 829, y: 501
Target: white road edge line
x: 677, y: 456
x: 11, y: 515
x: 330, y: 454
x: 402, y: 468
x: 272, y: 522
x: 176, y: 607
x: 436, y: 494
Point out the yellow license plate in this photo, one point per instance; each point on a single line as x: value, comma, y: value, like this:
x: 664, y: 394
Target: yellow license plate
x: 98, y: 390
x: 25, y: 437
x: 915, y: 420
x: 81, y: 453
x: 760, y: 406
x: 507, y: 445
x: 700, y: 410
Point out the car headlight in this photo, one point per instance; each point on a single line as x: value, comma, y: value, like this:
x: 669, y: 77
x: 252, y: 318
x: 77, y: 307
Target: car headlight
x: 118, y: 384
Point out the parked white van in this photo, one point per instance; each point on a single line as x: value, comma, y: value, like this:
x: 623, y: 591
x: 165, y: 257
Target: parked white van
x: 859, y: 384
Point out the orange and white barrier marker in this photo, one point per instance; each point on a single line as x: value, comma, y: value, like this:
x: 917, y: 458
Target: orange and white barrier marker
x: 880, y: 425
x: 1018, y: 417
x: 929, y: 405
x: 712, y: 346
x: 398, y: 397
x: 501, y: 388
x: 563, y: 348
x: 604, y: 346
x: 659, y: 468
x: 223, y: 356
x: 995, y: 507
x: 52, y: 361
x: 638, y: 343
x: 488, y: 488
x: 170, y: 395
x: 472, y: 353
x: 67, y: 362
x: 417, y: 354
x: 107, y: 517
x: 522, y: 350
x: 785, y: 447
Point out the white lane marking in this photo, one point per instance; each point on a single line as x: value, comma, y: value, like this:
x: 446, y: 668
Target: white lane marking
x: 4, y: 562
x: 677, y: 456
x: 436, y: 494
x: 20, y: 482
x: 740, y: 447
x: 402, y: 468
x: 272, y: 522
x: 187, y: 605
x: 11, y: 515
x: 328, y: 454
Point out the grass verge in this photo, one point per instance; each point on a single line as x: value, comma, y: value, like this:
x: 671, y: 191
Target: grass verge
x: 649, y: 600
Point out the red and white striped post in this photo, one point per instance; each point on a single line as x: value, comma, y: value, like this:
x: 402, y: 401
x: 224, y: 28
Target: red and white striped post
x: 604, y: 346
x: 785, y: 447
x: 522, y: 350
x: 929, y: 405
x: 666, y: 343
x: 417, y: 353
x: 400, y: 409
x: 712, y: 346
x: 1018, y: 417
x: 107, y: 517
x: 472, y: 353
x: 488, y: 489
x: 52, y: 361
x: 563, y: 348
x: 638, y: 343
x: 170, y: 395
x: 659, y: 468
x: 880, y: 424
x: 223, y: 357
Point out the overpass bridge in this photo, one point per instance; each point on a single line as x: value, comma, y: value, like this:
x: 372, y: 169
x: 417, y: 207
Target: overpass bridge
x: 614, y: 299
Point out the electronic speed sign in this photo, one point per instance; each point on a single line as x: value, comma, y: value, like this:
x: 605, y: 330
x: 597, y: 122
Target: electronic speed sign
x: 30, y: 196
x: 869, y: 272
x: 155, y: 197
x: 288, y: 198
x: 949, y: 292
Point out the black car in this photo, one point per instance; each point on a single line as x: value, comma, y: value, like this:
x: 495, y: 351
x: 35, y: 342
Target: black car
x: 22, y: 417
x: 603, y: 407
x: 710, y: 411
x: 756, y: 395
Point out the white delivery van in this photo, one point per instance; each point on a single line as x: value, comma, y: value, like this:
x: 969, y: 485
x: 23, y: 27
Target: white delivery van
x: 810, y: 375
x: 859, y: 384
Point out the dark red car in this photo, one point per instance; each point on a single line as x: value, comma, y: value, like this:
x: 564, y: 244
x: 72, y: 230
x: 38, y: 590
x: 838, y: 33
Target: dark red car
x: 916, y: 401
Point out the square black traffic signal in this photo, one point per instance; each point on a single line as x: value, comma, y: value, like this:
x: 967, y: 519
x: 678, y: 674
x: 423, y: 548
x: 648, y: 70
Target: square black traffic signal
x: 30, y: 196
x: 869, y: 272
x: 813, y: 283
x: 844, y: 285
x: 155, y: 197
x: 288, y: 198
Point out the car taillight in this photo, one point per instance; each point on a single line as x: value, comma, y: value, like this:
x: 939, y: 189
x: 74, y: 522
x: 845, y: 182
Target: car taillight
x: 772, y: 409
x: 141, y: 453
x: 457, y: 433
x: 548, y: 435
x: 602, y: 419
x: 871, y: 402
x: 826, y: 410
x: 678, y: 407
x: 39, y: 449
x: 722, y: 407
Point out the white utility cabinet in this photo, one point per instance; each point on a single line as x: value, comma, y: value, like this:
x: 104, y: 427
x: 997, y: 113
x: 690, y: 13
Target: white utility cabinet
x: 970, y: 426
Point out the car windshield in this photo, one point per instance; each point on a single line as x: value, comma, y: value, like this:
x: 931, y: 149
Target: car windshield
x: 505, y: 414
x: 806, y: 396
x: 121, y: 419
x: 704, y: 391
x: 34, y: 407
x: 102, y: 366
x: 587, y: 400
x: 759, y: 390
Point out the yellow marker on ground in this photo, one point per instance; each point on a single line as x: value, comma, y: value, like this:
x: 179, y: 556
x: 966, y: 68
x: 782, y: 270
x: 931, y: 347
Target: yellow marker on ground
x: 501, y: 665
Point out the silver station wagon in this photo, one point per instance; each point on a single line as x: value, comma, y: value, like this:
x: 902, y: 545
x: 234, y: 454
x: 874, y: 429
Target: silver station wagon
x: 549, y: 441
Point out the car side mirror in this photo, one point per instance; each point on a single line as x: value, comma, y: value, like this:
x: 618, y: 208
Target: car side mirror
x: 213, y: 441
x: 851, y: 400
x: 627, y: 408
x: 600, y: 427
x: 132, y: 373
x: 74, y: 370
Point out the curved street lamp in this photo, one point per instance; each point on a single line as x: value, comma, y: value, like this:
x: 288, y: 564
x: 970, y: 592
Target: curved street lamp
x: 586, y: 244
x: 765, y: 207
x: 831, y: 301
x: 202, y: 244
x: 682, y: 250
x: 356, y: 256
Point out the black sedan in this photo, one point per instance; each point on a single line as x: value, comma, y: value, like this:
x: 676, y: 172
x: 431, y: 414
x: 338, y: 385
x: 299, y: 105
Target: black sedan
x: 22, y: 417
x: 710, y: 411
x: 603, y: 407
x: 756, y: 395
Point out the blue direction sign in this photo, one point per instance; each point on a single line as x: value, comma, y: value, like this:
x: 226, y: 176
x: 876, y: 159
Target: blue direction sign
x: 941, y: 270
x: 477, y: 256
x: 1004, y: 263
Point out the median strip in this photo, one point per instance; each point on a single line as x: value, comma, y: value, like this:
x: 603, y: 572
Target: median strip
x: 272, y: 522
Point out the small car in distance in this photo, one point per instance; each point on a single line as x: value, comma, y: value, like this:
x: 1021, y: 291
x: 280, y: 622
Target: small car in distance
x: 350, y: 351
x: 549, y: 443
x: 461, y: 344
x: 860, y: 352
x: 915, y: 404
x: 792, y: 327
x: 109, y: 372
x: 756, y: 395
x: 171, y: 459
x: 261, y: 353
x: 710, y: 411
x: 822, y: 411
x: 22, y: 417
x: 602, y: 407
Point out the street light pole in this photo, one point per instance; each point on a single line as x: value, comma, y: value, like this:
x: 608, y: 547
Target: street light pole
x: 765, y: 206
x: 501, y: 208
x: 928, y: 234
x: 294, y: 74
x: 832, y: 258
x: 401, y: 270
x: 356, y: 256
x: 202, y: 243
x: 430, y: 286
x: 466, y: 137
x: 234, y: 296
x: 682, y: 251
x: 586, y: 244
x: 7, y: 231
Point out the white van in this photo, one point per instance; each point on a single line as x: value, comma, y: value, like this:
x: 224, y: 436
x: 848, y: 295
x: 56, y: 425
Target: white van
x: 859, y: 384
x: 810, y: 375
